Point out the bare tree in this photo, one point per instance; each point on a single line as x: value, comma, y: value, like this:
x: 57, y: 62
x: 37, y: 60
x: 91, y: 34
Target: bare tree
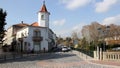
x: 90, y: 32
x: 113, y: 34
x: 74, y: 35
x: 100, y: 33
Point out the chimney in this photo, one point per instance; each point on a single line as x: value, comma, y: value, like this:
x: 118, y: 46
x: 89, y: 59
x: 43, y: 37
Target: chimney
x: 22, y: 22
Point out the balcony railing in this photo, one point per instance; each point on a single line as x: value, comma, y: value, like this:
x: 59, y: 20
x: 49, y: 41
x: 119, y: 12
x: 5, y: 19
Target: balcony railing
x: 37, y: 38
x: 20, y: 39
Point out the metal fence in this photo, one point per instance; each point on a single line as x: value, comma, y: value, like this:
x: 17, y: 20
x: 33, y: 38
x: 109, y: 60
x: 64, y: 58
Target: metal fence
x: 87, y: 52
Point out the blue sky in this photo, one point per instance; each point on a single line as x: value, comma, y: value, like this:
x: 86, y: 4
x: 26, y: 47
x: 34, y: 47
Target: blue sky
x: 66, y: 15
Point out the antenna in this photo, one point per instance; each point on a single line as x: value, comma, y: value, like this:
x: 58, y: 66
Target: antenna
x: 43, y: 1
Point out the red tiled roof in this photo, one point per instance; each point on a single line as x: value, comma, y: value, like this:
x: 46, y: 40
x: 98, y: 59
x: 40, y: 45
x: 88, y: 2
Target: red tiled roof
x: 35, y: 24
x: 43, y: 9
x: 22, y: 24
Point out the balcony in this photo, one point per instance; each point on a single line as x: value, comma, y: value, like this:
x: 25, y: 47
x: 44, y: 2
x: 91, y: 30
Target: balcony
x: 37, y: 38
x: 20, y: 39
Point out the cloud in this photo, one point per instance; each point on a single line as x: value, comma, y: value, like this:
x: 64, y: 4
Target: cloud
x: 74, y: 4
x: 112, y: 20
x: 105, y: 5
x: 78, y: 28
x: 59, y: 22
x: 65, y: 32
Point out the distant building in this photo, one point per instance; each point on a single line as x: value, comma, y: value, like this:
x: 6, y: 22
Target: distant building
x: 11, y: 32
x: 112, y: 40
x: 35, y: 37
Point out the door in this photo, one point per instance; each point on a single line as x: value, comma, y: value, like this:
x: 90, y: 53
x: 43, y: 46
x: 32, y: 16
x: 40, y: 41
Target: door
x: 36, y: 46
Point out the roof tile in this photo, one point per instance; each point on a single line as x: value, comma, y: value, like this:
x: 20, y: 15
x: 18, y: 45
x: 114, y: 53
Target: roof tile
x: 35, y: 24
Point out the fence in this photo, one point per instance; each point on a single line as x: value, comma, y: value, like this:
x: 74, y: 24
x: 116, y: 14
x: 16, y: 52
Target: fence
x: 111, y: 56
x: 87, y: 52
x: 82, y: 55
x: 107, y: 56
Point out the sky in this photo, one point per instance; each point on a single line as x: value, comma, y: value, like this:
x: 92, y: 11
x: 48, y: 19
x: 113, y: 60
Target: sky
x: 66, y: 16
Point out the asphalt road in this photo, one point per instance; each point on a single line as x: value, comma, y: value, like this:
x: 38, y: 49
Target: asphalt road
x: 51, y: 60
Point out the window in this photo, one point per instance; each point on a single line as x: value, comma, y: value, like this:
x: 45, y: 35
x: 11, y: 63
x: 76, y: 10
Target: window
x: 36, y: 43
x: 18, y: 44
x: 37, y: 33
x: 42, y: 17
x: 22, y: 35
x: 25, y: 43
x: 37, y: 46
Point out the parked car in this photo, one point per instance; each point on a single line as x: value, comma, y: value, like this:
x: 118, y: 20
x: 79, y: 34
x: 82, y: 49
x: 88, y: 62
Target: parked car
x: 66, y: 49
x: 56, y: 49
x: 116, y: 49
x: 69, y: 48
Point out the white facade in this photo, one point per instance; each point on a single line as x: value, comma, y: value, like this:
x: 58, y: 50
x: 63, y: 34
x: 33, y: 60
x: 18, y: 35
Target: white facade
x: 34, y: 39
x: 9, y: 36
x: 43, y: 19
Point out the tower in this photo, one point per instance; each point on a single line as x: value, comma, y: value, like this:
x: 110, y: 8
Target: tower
x: 43, y: 16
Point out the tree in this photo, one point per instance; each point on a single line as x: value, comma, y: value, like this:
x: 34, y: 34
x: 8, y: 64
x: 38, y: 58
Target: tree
x: 114, y: 30
x: 112, y: 34
x: 90, y: 32
x: 68, y: 41
x: 84, y: 43
x: 100, y: 35
x: 3, y: 15
x: 59, y: 40
x: 74, y: 35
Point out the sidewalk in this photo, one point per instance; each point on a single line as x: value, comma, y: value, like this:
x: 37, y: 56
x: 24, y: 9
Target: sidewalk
x: 111, y: 63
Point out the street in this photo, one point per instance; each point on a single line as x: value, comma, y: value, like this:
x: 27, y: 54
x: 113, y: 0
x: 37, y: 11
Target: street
x: 50, y: 60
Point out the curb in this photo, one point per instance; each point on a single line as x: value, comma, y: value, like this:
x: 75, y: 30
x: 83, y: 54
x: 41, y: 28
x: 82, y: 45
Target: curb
x: 88, y: 60
x: 103, y: 64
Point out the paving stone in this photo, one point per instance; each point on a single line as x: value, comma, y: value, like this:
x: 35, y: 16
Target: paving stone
x: 54, y: 60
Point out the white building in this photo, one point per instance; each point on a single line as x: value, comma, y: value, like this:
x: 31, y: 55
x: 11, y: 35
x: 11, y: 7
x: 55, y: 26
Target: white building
x: 36, y: 37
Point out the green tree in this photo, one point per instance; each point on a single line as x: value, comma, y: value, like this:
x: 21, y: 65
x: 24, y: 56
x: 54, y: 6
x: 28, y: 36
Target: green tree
x: 68, y: 40
x: 3, y: 15
x: 59, y: 40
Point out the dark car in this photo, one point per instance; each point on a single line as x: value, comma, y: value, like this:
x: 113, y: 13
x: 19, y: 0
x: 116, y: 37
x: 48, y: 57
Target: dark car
x: 56, y: 49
